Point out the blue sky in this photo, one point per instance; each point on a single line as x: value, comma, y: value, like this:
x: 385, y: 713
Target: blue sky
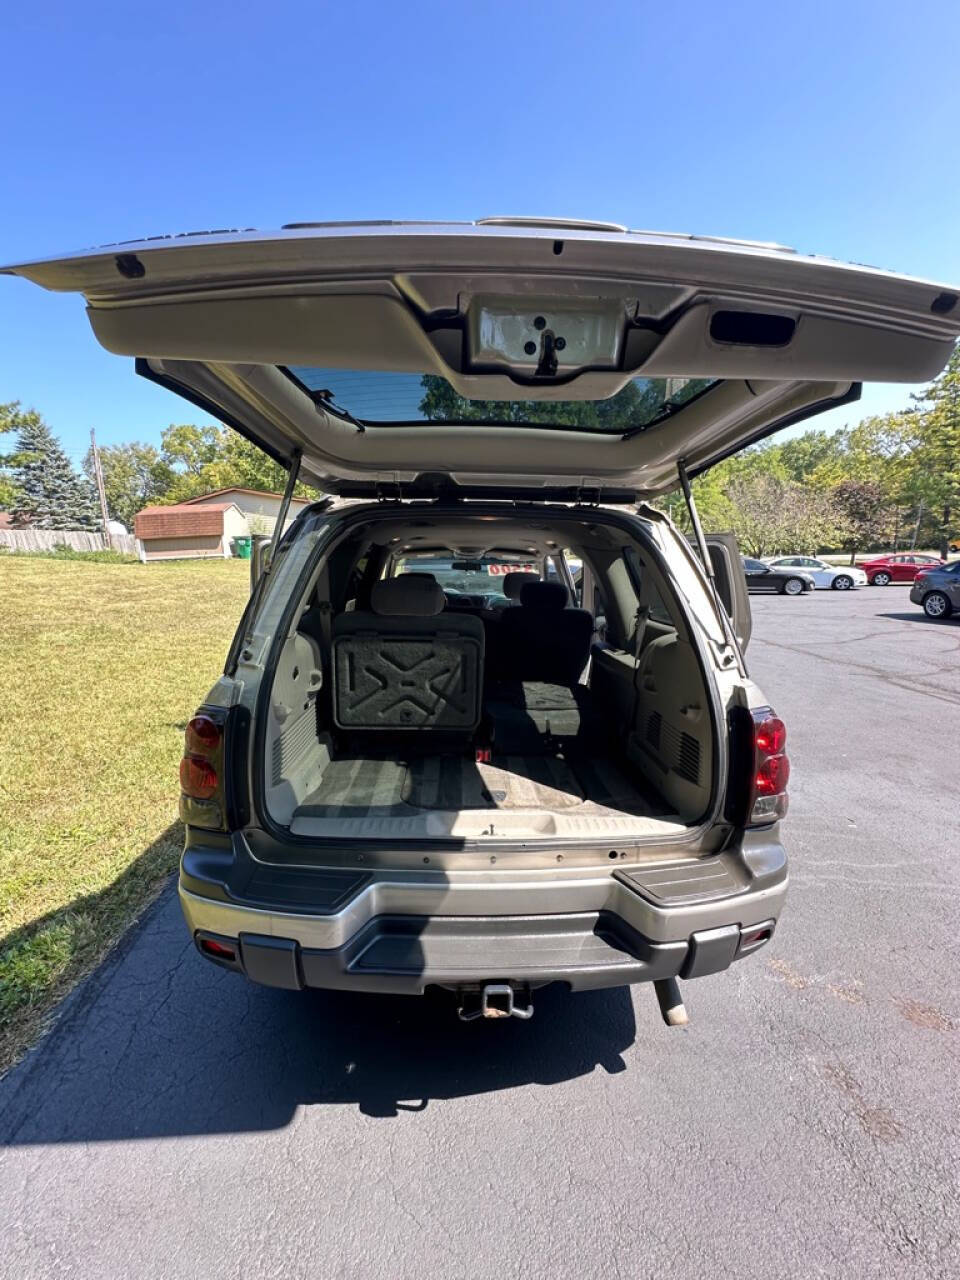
x: 830, y: 127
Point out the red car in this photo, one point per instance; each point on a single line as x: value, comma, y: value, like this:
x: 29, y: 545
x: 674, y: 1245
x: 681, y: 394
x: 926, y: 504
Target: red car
x: 902, y: 567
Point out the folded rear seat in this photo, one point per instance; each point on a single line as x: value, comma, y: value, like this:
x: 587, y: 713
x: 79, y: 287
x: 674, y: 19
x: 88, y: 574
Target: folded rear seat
x: 531, y: 718
x: 405, y: 666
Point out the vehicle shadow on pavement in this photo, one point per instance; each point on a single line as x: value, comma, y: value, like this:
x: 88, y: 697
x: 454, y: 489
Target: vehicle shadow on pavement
x: 160, y: 1043
x: 919, y: 616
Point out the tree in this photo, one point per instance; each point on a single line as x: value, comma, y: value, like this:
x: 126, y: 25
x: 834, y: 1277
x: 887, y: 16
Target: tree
x: 864, y: 514
x: 806, y: 455
x: 636, y: 404
x: 134, y: 476
x: 188, y: 449
x: 770, y: 515
x: 937, y: 453
x: 8, y: 488
x: 50, y: 494
x: 201, y: 459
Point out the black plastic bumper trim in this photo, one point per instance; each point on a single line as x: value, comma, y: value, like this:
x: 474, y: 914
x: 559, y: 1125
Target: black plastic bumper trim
x: 406, y: 954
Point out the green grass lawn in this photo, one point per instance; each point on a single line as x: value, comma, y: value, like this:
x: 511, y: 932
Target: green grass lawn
x: 102, y: 666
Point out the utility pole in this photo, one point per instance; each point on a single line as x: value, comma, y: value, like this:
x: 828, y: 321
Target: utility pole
x: 98, y: 473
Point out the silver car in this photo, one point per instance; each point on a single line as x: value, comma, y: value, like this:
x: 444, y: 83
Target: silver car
x: 390, y: 788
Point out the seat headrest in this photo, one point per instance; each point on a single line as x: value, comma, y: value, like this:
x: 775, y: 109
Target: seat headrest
x: 412, y: 595
x: 513, y: 583
x: 543, y: 595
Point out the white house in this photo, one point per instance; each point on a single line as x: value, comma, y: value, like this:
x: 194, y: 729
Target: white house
x: 261, y: 509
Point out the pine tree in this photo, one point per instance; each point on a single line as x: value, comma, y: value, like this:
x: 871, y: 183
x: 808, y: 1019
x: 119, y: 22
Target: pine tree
x: 50, y: 494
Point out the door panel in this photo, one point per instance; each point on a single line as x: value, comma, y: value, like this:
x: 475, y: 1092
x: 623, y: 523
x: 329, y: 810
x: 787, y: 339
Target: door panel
x: 731, y: 583
x: 659, y: 709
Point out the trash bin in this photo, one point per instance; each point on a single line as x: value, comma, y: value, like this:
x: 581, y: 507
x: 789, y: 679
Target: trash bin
x: 243, y: 546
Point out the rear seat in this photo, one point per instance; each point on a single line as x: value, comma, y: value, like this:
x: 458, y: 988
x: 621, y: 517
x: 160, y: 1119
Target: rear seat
x: 513, y: 584
x: 537, y: 704
x: 406, y: 666
x: 544, y: 640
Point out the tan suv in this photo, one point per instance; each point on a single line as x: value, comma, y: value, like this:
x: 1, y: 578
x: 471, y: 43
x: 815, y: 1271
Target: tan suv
x: 437, y: 756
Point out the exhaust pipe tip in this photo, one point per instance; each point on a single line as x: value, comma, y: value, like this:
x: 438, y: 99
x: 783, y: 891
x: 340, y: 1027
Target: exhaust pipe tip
x: 671, y: 1004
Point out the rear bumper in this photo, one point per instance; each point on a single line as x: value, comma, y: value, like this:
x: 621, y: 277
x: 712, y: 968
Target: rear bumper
x: 406, y: 954
x: 404, y: 932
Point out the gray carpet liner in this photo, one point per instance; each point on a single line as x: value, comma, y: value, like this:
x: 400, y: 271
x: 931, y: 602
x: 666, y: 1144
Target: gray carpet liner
x: 362, y: 787
x: 508, y: 782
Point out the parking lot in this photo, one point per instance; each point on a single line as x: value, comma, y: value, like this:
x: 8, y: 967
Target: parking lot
x: 180, y: 1122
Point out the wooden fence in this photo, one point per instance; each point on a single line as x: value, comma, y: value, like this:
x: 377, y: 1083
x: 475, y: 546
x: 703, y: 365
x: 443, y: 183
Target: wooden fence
x: 78, y: 540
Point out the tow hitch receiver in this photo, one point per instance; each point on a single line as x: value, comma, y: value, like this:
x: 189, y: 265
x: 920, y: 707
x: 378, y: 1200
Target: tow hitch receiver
x: 495, y: 1000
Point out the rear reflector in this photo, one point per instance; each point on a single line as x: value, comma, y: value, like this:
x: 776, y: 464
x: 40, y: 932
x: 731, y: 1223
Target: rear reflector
x: 752, y: 938
x: 220, y: 950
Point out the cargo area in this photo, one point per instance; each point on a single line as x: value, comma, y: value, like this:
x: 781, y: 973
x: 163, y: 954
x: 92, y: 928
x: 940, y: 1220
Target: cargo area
x: 464, y: 692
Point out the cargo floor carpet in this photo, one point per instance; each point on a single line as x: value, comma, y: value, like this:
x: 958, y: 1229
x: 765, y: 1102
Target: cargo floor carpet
x: 369, y: 787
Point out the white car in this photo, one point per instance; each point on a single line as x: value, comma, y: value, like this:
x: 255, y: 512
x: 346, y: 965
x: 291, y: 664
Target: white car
x: 832, y: 576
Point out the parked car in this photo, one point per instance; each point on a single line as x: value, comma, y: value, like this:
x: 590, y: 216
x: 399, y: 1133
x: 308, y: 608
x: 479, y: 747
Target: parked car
x: 834, y: 577
x: 765, y: 578
x: 938, y: 590
x: 902, y: 567
x: 381, y: 794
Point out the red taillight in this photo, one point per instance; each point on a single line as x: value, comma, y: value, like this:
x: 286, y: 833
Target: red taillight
x: 773, y: 776
x: 771, y: 768
x: 770, y: 735
x: 203, y: 735
x: 198, y: 777
x: 203, y: 769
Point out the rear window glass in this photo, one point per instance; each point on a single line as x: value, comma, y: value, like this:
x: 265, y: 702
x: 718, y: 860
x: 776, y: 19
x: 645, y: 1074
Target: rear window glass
x: 398, y: 398
x: 462, y: 576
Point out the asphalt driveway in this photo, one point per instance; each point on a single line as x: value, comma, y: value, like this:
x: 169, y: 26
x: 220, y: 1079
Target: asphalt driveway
x: 179, y: 1122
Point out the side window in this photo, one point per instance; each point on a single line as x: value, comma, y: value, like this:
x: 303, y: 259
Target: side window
x: 658, y: 610
x: 353, y: 584
x: 648, y: 593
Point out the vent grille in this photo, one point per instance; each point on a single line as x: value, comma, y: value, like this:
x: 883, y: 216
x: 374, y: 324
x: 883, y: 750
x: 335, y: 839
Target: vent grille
x: 688, y: 758
x: 653, y: 730
x: 290, y: 747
